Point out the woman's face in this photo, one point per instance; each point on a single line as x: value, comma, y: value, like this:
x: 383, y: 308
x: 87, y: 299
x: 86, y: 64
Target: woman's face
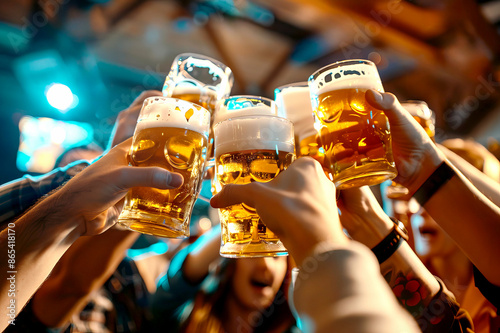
x: 257, y: 280
x: 430, y: 239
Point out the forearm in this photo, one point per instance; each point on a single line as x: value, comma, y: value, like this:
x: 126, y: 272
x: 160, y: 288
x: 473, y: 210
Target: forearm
x: 84, y: 268
x: 486, y: 185
x: 346, y: 293
x: 402, y: 268
x: 205, y: 252
x: 411, y: 282
x: 471, y: 220
x: 421, y: 294
x: 29, y: 190
x: 41, y: 238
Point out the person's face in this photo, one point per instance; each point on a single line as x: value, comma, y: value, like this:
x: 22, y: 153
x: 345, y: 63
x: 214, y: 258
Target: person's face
x: 430, y: 239
x: 257, y: 280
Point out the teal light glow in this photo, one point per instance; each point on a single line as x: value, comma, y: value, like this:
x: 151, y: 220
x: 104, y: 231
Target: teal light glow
x: 61, y: 97
x: 154, y: 249
x: 44, y: 139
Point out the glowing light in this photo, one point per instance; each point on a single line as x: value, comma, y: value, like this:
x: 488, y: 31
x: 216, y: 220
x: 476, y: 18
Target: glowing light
x: 58, y: 135
x: 44, y: 139
x: 60, y: 96
x: 205, y: 224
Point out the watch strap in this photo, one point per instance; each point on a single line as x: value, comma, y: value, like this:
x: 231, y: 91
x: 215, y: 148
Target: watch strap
x: 438, y: 178
x: 386, y: 248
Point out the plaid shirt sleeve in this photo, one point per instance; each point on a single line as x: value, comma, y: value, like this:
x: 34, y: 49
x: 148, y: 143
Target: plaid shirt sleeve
x: 20, y: 194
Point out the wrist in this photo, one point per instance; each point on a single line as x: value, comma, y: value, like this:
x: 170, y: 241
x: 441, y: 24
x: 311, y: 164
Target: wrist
x: 46, y: 228
x: 428, y: 163
x: 370, y: 230
x: 62, y: 218
x: 390, y: 244
x: 317, y: 250
x: 433, y: 183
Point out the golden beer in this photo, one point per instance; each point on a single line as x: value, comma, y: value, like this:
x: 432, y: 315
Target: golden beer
x: 422, y: 114
x: 247, y: 151
x: 166, y: 144
x: 242, y: 224
x: 310, y: 147
x: 207, y: 99
x: 294, y: 100
x: 355, y: 136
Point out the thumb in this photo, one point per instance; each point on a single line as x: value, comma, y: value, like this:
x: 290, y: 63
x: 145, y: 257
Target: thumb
x: 149, y: 177
x: 233, y: 194
x: 388, y: 103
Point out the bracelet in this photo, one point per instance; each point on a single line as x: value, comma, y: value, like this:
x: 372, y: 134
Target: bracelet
x: 438, y: 178
x: 386, y: 248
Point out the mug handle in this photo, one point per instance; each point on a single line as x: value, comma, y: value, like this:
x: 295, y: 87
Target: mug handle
x: 208, y: 165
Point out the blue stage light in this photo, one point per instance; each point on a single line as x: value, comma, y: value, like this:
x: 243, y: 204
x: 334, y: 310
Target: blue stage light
x: 60, y: 96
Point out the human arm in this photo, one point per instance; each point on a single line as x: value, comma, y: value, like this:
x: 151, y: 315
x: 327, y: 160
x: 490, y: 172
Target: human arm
x: 90, y: 261
x: 83, y: 268
x: 19, y: 195
x: 458, y: 207
x: 340, y: 286
x: 79, y: 208
x: 186, y: 272
x: 485, y: 184
x: 416, y: 288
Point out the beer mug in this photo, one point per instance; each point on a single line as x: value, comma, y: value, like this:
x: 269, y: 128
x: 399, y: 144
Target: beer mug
x: 295, y: 101
x: 354, y: 135
x: 198, y: 79
x: 420, y: 111
x: 252, y: 145
x: 171, y: 134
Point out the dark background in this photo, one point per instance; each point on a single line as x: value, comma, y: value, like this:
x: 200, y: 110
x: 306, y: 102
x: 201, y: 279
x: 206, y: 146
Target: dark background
x: 443, y: 52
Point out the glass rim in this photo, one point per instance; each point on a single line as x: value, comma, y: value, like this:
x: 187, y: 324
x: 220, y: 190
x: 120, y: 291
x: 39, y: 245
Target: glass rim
x: 300, y: 84
x: 175, y: 100
x: 202, y: 56
x: 256, y: 97
x: 339, y: 63
x: 252, y: 117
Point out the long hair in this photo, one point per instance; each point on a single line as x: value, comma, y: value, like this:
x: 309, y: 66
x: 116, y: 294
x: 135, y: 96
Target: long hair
x: 207, y: 309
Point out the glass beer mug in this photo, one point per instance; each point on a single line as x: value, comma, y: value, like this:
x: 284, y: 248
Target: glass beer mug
x: 251, y: 144
x: 355, y: 136
x: 294, y: 100
x: 171, y: 134
x: 198, y: 79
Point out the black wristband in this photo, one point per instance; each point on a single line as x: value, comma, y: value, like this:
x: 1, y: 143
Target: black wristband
x: 438, y: 178
x: 386, y: 248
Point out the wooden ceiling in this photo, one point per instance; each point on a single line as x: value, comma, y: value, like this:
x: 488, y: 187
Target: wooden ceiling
x: 439, y: 51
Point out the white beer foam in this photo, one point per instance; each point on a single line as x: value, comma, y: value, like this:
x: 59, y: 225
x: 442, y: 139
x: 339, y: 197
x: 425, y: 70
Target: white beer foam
x: 172, y: 112
x: 296, y: 103
x: 248, y: 133
x: 361, y: 76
